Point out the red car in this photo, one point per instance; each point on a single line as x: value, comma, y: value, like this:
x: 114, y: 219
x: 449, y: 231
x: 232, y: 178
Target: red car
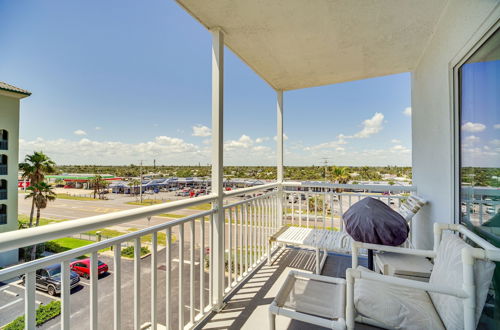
x: 82, y: 267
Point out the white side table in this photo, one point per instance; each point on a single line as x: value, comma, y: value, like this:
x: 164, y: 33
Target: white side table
x: 405, y: 266
x: 311, y: 298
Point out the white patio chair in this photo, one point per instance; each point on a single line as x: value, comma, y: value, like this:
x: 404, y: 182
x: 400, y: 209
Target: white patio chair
x: 453, y: 298
x: 330, y: 240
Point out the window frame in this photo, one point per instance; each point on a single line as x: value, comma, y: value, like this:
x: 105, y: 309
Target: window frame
x: 476, y: 42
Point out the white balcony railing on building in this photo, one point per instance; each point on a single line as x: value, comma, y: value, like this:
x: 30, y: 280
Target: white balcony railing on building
x: 190, y: 294
x: 248, y: 223
x: 479, y: 203
x: 322, y: 205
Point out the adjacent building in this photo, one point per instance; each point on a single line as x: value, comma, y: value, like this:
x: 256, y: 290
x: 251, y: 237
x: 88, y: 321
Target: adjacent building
x: 10, y: 97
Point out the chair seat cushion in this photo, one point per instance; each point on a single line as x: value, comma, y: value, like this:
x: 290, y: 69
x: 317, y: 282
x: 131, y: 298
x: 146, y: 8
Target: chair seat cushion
x: 395, y: 306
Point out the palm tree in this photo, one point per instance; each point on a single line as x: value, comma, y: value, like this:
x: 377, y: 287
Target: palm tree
x: 34, y: 168
x: 41, y: 193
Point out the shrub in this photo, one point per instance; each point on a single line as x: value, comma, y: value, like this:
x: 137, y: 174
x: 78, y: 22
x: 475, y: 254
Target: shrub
x: 129, y: 251
x: 44, y: 313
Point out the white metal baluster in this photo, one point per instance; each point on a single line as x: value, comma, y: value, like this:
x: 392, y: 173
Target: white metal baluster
x: 315, y: 211
x: 154, y: 280
x: 481, y: 209
x: 293, y: 207
x: 230, y: 251
x: 340, y: 196
x: 191, y: 275
x: 242, y: 214
x: 261, y: 225
x: 307, y: 209
x: 246, y: 242
x: 202, y: 265
x: 117, y: 276
x: 181, y: 276
x: 324, y: 209
x: 168, y: 279
x: 252, y: 238
x: 300, y: 210
x: 211, y: 263
x: 350, y: 202
x: 332, y: 205
x: 93, y: 291
x: 65, y: 294
x: 235, y: 252
x: 29, y: 300
x: 137, y: 283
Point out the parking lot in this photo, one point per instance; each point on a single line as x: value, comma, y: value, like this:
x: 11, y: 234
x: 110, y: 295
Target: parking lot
x: 12, y: 295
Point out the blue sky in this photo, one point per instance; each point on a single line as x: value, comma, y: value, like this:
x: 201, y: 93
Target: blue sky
x: 115, y: 82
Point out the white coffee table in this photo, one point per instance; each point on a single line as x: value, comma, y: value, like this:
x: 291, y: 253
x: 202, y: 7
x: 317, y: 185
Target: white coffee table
x: 311, y: 298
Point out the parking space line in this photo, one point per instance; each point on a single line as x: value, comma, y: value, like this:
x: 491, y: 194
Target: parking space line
x: 11, y: 303
x: 17, y: 284
x: 196, y: 263
x: 11, y: 293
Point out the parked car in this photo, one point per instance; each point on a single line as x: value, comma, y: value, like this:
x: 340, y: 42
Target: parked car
x: 82, y: 267
x: 49, y: 279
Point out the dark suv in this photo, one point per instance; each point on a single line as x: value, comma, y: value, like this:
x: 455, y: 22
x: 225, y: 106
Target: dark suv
x: 49, y: 279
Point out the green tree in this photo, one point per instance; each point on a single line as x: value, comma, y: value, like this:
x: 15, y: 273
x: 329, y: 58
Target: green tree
x: 41, y: 193
x: 99, y: 185
x: 34, y: 168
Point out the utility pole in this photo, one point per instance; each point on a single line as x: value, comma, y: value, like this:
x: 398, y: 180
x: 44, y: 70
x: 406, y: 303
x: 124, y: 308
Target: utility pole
x: 140, y: 179
x: 325, y: 161
x: 154, y: 164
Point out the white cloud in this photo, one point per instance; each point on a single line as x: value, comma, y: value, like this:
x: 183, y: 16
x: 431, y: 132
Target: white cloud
x: 371, y: 126
x: 399, y: 148
x: 329, y: 145
x: 471, y: 139
x: 395, y: 141
x: 407, y: 111
x: 285, y: 137
x: 261, y: 139
x: 98, y: 128
x: 167, y: 149
x: 80, y: 132
x: 496, y: 126
x: 201, y: 130
x: 242, y: 143
x: 473, y: 127
x: 495, y: 142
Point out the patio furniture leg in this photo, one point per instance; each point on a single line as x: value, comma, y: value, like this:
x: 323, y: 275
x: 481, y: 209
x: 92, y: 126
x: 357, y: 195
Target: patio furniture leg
x: 272, y: 321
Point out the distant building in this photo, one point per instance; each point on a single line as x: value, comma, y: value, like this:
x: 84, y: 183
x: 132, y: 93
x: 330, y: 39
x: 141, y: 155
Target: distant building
x: 9, y: 156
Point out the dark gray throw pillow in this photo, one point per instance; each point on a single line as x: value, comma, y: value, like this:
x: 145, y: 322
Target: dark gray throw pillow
x: 373, y: 221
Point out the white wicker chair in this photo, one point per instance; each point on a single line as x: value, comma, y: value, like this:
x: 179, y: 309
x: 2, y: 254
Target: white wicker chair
x: 456, y: 291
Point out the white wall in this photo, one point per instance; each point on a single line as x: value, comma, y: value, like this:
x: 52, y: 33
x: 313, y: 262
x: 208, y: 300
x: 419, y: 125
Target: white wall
x: 432, y: 126
x: 9, y: 120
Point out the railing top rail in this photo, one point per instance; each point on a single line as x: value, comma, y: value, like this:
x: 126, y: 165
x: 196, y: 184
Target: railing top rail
x: 249, y: 200
x: 26, y: 237
x: 250, y: 189
x: 74, y: 253
x: 377, y: 187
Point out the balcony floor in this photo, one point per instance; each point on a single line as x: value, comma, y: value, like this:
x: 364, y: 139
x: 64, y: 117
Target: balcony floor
x: 248, y: 307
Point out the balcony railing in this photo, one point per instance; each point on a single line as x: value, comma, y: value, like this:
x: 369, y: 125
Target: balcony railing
x: 247, y: 225
x: 322, y: 205
x: 191, y: 294
x: 3, y: 169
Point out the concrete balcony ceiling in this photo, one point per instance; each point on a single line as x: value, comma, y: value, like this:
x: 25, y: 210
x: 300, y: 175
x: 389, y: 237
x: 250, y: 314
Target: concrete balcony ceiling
x: 296, y: 44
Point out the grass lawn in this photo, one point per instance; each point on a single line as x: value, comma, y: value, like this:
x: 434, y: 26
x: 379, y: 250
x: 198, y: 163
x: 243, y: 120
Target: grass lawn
x: 201, y: 207
x: 172, y: 215
x: 25, y: 220
x: 71, y: 243
x: 78, y: 198
x: 106, y: 232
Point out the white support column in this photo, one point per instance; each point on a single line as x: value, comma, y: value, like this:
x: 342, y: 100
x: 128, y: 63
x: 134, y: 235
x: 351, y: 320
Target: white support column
x: 217, y: 162
x: 279, y: 153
